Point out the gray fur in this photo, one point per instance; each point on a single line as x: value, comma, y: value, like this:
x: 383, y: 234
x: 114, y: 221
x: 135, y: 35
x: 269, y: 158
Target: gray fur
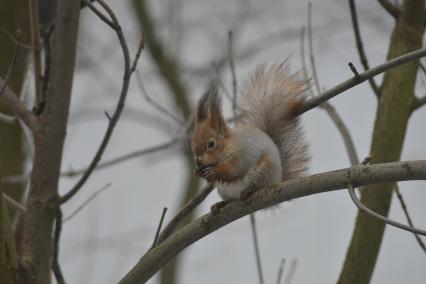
x: 265, y: 102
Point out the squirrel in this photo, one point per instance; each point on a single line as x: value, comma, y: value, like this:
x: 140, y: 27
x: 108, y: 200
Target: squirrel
x: 266, y: 146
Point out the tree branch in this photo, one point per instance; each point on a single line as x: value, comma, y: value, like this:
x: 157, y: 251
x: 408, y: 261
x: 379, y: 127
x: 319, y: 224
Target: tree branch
x: 119, y: 108
x: 292, y: 189
x: 315, y: 101
x: 12, y: 101
x: 360, y: 46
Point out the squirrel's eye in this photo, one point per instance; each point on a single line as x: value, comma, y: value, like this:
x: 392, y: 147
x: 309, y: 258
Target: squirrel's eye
x: 211, y: 144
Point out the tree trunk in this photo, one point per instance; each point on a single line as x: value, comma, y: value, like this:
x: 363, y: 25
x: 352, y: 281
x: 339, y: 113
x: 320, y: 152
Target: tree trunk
x: 389, y: 131
x: 49, y: 141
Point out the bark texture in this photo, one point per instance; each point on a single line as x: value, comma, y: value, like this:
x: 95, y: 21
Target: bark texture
x: 49, y: 140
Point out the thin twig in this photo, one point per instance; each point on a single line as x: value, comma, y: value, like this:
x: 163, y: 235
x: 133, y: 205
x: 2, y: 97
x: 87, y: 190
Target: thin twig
x: 256, y: 248
x: 138, y: 53
x: 220, y: 82
x: 9, y: 200
x: 160, y: 224
x: 234, y: 76
x: 391, y: 8
x: 12, y: 63
x: 388, y: 221
x: 280, y: 271
x: 407, y: 215
x: 35, y: 39
x: 183, y: 212
x: 159, y: 107
x: 55, y: 261
x: 12, y: 101
x: 418, y: 103
x: 360, y: 46
x: 119, y: 108
x: 125, y: 157
x: 353, y: 69
x: 291, y: 271
x: 315, y: 101
x: 84, y: 204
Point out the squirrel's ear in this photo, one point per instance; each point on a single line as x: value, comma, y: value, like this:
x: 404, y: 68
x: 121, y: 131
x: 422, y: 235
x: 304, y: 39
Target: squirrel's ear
x: 215, y: 107
x: 202, y: 108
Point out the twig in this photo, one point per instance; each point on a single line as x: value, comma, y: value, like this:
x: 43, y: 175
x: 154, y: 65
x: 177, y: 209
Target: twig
x: 160, y: 224
x: 9, y: 200
x: 357, y: 176
x: 353, y: 69
x: 328, y: 107
x: 55, y: 261
x: 125, y: 157
x: 13, y: 63
x: 388, y: 221
x: 280, y: 271
x: 219, y: 81
x: 120, y: 104
x: 418, y: 102
x: 138, y: 54
x: 315, y: 101
x: 234, y: 76
x: 360, y: 46
x: 391, y: 8
x: 183, y: 212
x: 407, y: 215
x: 256, y: 248
x: 311, y: 49
x: 84, y: 204
x: 291, y: 271
x: 154, y: 103
x: 35, y: 39
x: 12, y: 101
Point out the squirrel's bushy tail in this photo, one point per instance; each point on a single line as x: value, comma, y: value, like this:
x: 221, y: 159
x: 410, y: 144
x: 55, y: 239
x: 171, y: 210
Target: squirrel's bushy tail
x: 270, y: 101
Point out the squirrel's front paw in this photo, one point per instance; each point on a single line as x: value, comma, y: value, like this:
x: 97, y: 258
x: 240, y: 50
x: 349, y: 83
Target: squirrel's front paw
x: 204, y: 172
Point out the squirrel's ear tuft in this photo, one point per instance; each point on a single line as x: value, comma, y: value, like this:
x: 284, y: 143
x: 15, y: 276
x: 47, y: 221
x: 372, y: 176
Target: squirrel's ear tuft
x: 202, y: 108
x: 215, y: 107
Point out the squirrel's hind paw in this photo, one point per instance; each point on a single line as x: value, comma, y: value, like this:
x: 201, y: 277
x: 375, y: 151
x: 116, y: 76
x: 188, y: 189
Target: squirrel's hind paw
x: 215, y: 209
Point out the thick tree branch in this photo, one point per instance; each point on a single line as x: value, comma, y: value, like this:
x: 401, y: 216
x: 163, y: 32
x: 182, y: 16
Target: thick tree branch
x: 12, y: 101
x: 292, y: 189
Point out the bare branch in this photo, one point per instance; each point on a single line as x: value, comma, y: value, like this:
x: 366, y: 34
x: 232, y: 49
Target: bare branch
x: 183, y: 212
x: 13, y: 63
x: 160, y: 224
x: 280, y: 271
x: 391, y: 8
x: 407, y: 215
x: 315, y: 101
x: 84, y: 204
x: 35, y: 38
x: 125, y: 157
x: 360, y: 46
x: 291, y: 271
x: 138, y: 54
x: 12, y: 101
x: 232, y: 66
x: 256, y: 248
x: 149, y: 264
x: 55, y: 261
x: 388, y: 221
x: 10, y: 201
x: 120, y: 104
x: 418, y: 103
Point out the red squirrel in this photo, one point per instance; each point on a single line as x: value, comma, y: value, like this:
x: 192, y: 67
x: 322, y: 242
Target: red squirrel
x: 265, y: 147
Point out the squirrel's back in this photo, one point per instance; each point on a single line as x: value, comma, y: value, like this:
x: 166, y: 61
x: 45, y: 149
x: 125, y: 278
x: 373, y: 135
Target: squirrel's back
x: 270, y: 101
